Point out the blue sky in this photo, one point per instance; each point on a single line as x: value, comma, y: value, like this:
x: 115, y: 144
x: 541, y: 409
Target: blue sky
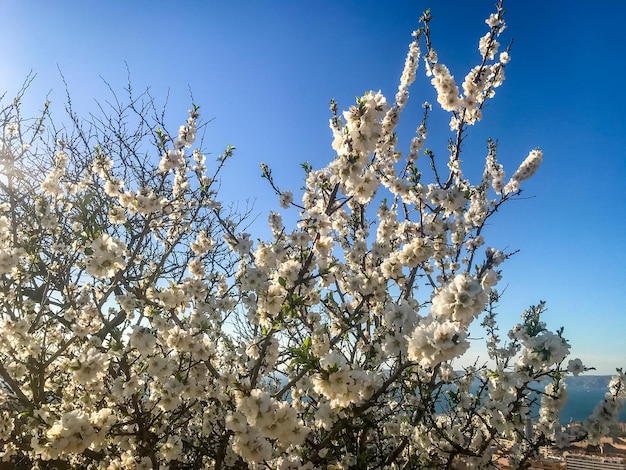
x: 267, y: 70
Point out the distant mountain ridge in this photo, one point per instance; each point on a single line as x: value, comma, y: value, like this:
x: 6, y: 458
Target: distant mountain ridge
x: 584, y: 393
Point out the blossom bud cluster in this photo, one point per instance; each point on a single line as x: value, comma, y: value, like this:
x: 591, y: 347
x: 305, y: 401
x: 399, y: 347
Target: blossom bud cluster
x: 74, y: 432
x: 436, y: 341
x: 460, y: 301
x: 344, y: 386
x: 274, y: 420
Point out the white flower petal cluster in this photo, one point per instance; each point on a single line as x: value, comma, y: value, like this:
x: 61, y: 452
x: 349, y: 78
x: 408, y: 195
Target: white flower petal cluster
x: 172, y: 159
x: 286, y: 199
x: 107, y: 256
x: 407, y: 78
x: 447, y: 89
x: 451, y: 200
x: 363, y: 125
x: 552, y: 401
x: 51, y: 185
x: 494, y: 171
x: 575, y: 367
x: 72, y: 433
x: 461, y: 300
x: 175, y: 157
x: 527, y: 169
x: 6, y: 425
x: 143, y: 327
x: 203, y: 243
x: 543, y: 350
x: 488, y: 46
x: 90, y: 367
x: 354, y: 141
x: 436, y: 341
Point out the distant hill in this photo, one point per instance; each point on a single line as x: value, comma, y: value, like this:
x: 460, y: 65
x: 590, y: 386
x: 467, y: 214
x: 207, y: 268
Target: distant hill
x: 584, y: 393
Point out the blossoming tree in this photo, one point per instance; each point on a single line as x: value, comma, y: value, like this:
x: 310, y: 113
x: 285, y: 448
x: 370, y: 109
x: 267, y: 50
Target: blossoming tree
x: 143, y: 328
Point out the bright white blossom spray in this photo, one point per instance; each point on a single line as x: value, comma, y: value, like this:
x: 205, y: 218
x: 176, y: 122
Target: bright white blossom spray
x: 144, y: 325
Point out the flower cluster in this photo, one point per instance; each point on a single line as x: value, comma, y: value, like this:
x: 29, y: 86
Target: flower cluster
x: 261, y: 418
x: 434, y: 342
x: 143, y: 328
x: 106, y: 256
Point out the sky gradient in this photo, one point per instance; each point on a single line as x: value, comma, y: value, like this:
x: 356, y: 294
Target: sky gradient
x: 267, y: 70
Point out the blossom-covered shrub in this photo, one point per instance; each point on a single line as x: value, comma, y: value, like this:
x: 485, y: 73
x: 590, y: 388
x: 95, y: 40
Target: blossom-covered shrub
x: 143, y: 328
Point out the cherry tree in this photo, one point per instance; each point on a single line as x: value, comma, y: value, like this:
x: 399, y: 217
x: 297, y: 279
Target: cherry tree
x: 143, y: 327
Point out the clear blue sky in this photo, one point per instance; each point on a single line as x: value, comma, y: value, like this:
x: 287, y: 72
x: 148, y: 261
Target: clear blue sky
x: 266, y: 71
